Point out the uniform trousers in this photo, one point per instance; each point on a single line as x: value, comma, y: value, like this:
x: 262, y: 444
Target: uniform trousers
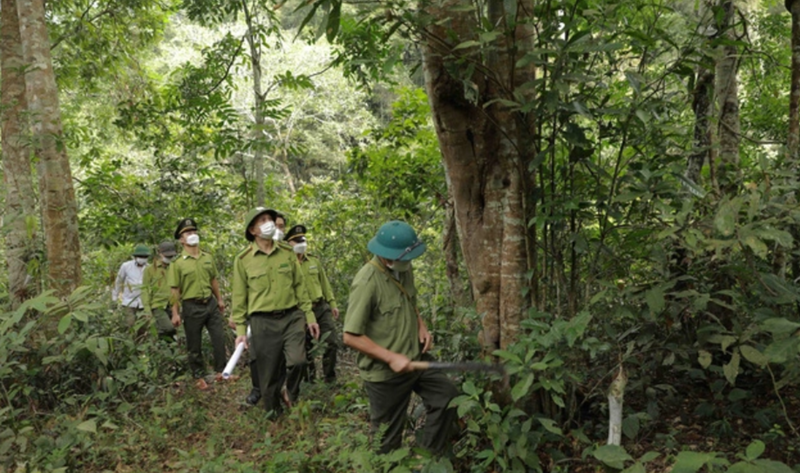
x: 388, y: 405
x: 324, y: 315
x: 278, y: 342
x: 197, y: 314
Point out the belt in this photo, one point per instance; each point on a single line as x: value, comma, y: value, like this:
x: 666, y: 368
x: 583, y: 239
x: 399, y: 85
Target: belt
x: 198, y: 300
x: 274, y: 313
x: 318, y: 302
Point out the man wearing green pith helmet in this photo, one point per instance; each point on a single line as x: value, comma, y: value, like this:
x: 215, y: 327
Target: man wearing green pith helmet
x: 384, y: 325
x: 270, y: 294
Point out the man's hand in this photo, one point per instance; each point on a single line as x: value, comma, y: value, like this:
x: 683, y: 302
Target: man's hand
x: 242, y: 339
x: 176, y: 320
x: 425, y: 338
x: 400, y: 363
x: 221, y: 305
x: 231, y: 323
x: 335, y: 313
x: 314, y: 330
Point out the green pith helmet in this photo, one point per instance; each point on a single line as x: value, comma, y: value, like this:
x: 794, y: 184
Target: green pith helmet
x: 396, y: 240
x: 141, y: 250
x: 254, y: 214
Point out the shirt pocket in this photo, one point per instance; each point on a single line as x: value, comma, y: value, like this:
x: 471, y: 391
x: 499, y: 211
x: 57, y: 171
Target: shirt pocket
x: 284, y: 278
x: 258, y: 280
x: 188, y: 276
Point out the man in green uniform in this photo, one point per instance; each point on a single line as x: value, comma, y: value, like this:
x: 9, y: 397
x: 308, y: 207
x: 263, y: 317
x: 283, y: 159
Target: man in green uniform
x: 255, y: 393
x: 322, y: 300
x: 156, y: 293
x: 268, y: 291
x: 384, y: 325
x: 195, y: 290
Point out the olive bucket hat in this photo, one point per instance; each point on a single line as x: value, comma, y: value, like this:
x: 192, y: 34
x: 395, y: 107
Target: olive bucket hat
x: 254, y: 214
x: 141, y: 250
x: 396, y: 240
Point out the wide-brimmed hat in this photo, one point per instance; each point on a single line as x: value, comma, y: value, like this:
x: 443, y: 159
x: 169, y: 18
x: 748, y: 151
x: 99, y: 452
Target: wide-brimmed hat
x: 396, y: 240
x: 254, y: 214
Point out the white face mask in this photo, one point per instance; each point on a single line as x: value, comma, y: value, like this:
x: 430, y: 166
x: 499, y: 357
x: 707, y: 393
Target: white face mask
x: 193, y: 240
x: 140, y: 261
x: 300, y: 248
x: 166, y: 259
x: 267, y: 230
x: 278, y: 235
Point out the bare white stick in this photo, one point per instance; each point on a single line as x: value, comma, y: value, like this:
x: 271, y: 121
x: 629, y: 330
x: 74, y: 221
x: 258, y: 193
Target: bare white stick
x: 616, y: 393
x: 228, y: 371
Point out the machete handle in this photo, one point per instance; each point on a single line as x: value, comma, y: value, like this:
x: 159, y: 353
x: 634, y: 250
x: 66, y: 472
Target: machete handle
x: 420, y: 365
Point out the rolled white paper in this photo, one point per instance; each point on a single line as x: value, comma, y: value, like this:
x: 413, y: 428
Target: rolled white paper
x: 228, y: 371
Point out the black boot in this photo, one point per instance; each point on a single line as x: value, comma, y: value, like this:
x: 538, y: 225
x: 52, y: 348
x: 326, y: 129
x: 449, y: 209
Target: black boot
x: 255, y: 393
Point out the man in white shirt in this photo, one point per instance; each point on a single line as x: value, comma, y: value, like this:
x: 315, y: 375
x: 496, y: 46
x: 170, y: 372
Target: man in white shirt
x: 128, y: 286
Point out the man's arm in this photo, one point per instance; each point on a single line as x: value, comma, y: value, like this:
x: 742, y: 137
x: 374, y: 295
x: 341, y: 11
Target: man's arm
x: 398, y: 362
x: 303, y: 300
x: 327, y: 291
x: 176, y: 297
x: 215, y: 291
x: 120, y: 281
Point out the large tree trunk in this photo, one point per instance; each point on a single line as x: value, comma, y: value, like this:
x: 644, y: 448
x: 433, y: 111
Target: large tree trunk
x: 727, y: 89
x: 458, y: 296
x: 701, y: 105
x: 59, y: 209
x: 258, y: 128
x: 481, y: 148
x: 20, y: 207
x: 793, y: 138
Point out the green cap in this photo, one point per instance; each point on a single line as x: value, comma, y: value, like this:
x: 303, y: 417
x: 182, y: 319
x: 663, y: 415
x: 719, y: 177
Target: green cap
x: 254, y: 214
x: 396, y: 240
x: 141, y: 250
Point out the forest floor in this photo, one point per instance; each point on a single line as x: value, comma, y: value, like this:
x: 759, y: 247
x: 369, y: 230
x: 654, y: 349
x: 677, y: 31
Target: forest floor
x: 183, y: 428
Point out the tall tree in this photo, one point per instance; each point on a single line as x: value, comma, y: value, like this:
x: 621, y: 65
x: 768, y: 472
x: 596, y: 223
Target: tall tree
x: 58, y: 205
x: 20, y: 212
x: 727, y: 89
x: 793, y: 138
x: 486, y: 151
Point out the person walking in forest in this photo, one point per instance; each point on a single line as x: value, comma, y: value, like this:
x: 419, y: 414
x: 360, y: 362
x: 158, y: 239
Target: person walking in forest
x: 323, y: 303
x: 127, y: 289
x: 156, y: 293
x: 196, y: 299
x: 269, y: 292
x: 384, y: 325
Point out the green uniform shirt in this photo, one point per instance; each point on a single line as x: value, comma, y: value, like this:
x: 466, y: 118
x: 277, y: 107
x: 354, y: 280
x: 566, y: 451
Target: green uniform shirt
x: 378, y: 309
x: 156, y: 293
x: 316, y: 281
x: 266, y: 282
x: 192, y: 275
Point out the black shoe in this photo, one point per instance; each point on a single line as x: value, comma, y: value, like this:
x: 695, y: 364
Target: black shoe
x: 253, y: 398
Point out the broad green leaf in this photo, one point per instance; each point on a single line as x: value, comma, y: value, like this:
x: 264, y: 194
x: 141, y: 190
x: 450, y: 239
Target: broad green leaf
x: 755, y: 244
x: 522, y: 387
x: 655, y: 300
x: 724, y: 340
x: 731, y: 369
x: 771, y: 466
x: 704, y: 358
x: 612, y: 455
x: 755, y: 449
x: 725, y: 220
x: 753, y: 355
x: 550, y: 426
x: 88, y: 426
x: 781, y: 237
x: 690, y: 185
x: 780, y: 326
x: 630, y: 426
x: 690, y: 462
x: 467, y: 44
x: 64, y: 323
x: 635, y: 468
x: 649, y: 456
x: 782, y: 350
